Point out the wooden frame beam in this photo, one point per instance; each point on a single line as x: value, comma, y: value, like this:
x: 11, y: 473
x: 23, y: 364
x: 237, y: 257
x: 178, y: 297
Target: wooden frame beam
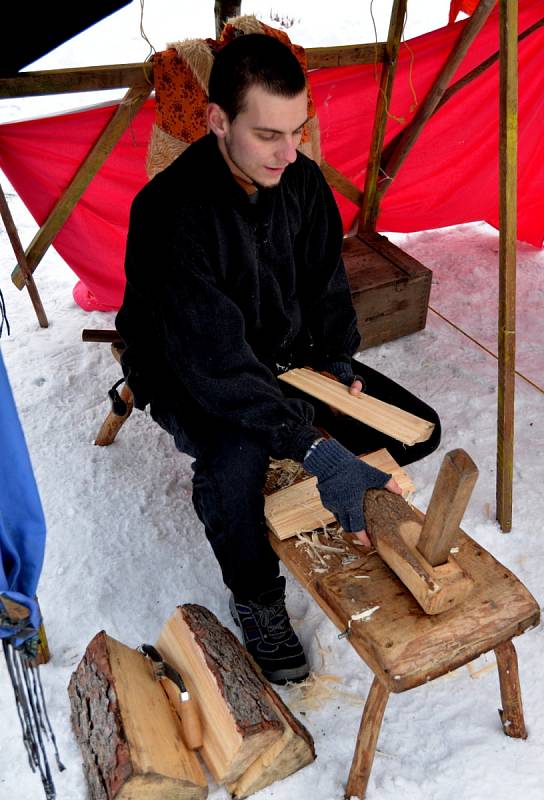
x: 121, y: 76
x: 508, y: 150
x: 411, y: 133
x: 88, y: 169
x: 369, y: 211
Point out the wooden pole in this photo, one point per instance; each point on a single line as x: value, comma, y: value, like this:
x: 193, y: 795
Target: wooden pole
x: 370, y: 207
x: 92, y: 163
x: 393, y: 160
x: 223, y: 10
x: 11, y: 230
x: 508, y: 150
x: 481, y: 68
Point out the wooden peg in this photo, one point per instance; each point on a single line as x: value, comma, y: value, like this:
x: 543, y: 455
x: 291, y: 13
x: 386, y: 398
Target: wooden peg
x: 449, y: 500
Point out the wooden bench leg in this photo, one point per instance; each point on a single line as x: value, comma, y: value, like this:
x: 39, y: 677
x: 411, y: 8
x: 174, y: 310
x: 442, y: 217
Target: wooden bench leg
x: 114, y: 422
x: 367, y: 740
x: 511, y: 713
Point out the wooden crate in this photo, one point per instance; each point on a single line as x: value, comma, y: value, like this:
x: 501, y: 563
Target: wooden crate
x: 390, y: 289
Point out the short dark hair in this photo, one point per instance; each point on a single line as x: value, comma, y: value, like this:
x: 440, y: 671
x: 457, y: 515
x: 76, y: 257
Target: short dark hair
x: 253, y: 59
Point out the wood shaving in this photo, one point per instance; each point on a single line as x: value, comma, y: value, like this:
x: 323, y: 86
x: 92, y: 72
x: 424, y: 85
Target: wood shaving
x: 317, y: 689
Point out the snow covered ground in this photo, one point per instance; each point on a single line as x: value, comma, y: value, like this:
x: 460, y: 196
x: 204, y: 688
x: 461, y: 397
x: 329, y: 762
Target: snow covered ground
x: 124, y: 545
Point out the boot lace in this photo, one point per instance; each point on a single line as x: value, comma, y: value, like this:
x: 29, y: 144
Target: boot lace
x: 273, y: 620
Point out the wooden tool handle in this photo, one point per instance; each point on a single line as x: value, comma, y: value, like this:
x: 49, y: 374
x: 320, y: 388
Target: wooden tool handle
x: 191, y: 724
x: 449, y: 500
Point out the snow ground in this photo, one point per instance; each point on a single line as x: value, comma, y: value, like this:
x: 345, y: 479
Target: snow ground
x: 125, y: 547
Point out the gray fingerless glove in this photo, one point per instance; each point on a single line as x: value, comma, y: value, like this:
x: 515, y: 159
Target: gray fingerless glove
x: 342, y: 480
x: 343, y: 371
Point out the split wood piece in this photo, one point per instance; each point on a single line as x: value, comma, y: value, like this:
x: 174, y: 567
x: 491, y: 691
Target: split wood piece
x: 388, y: 419
x: 298, y: 508
x: 11, y: 230
x: 394, y: 530
x: 511, y: 714
x: 367, y: 739
x: 98, y: 154
x: 129, y: 736
x: 238, y: 720
x: 293, y: 751
x: 452, y: 490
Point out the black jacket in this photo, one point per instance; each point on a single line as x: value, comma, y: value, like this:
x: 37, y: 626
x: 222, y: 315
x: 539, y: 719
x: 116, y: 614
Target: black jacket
x: 224, y: 293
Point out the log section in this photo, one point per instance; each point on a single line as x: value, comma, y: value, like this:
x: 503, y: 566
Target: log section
x: 129, y: 736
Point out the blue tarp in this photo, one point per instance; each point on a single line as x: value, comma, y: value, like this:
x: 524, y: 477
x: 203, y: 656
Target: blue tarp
x: 22, y: 523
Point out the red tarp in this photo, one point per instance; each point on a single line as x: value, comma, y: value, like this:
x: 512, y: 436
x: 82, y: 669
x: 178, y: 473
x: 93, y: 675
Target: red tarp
x: 450, y: 176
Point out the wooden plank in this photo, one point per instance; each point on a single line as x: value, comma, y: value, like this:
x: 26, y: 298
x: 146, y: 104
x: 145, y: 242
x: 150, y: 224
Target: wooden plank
x: 129, y: 106
x: 452, y: 491
x: 394, y: 530
x: 370, y: 206
x: 388, y: 419
x: 393, y: 160
x: 239, y: 723
x: 508, y: 147
x: 298, y: 508
x: 130, y: 738
x: 11, y: 230
x: 401, y: 644
x: 77, y: 79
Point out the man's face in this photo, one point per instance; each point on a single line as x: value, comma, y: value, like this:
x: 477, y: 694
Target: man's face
x: 261, y: 141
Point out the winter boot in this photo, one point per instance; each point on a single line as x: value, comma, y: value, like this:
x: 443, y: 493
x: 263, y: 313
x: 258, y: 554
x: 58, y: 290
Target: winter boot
x: 268, y: 635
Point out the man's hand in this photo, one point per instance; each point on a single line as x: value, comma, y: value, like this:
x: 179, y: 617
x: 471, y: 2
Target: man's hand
x: 391, y: 486
x: 356, y: 388
x: 342, y: 480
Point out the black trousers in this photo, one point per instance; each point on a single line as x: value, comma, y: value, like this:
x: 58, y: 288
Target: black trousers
x: 230, y: 468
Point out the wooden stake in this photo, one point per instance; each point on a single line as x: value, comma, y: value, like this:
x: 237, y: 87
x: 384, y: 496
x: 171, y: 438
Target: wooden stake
x: 370, y: 207
x: 367, y: 740
x: 120, y: 120
x: 411, y: 133
x: 511, y: 714
x: 508, y: 149
x: 11, y: 230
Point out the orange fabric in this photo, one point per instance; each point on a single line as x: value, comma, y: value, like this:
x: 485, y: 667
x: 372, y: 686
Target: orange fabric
x: 181, y: 100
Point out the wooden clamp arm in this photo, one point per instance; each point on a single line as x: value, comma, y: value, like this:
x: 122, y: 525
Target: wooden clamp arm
x: 449, y: 501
